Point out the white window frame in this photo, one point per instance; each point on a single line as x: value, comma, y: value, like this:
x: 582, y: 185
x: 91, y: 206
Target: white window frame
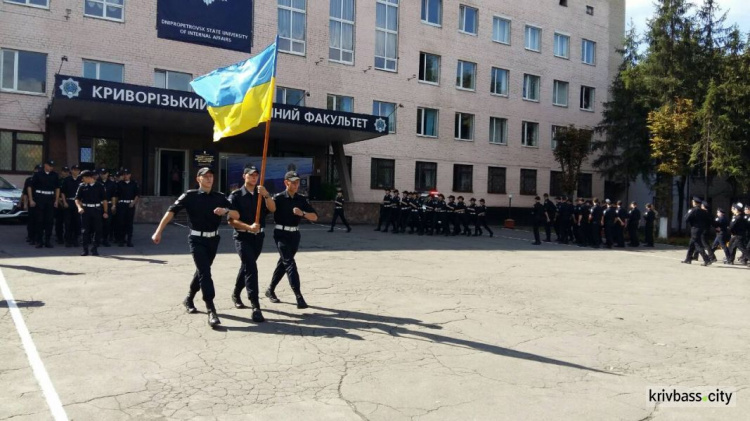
x: 462, y: 20
x: 494, y: 121
x: 15, y: 72
x: 457, y: 120
x: 166, y: 79
x: 26, y: 3
x: 592, y: 101
x: 98, y: 67
x: 285, y: 89
x: 440, y: 17
x: 525, y: 91
x: 337, y: 99
x: 553, y: 141
x: 421, y: 122
x: 389, y: 116
x: 493, y: 81
x: 593, y: 52
x: 555, y: 83
x: 342, y: 22
x: 510, y: 29
x: 424, y: 70
x: 460, y: 73
x: 527, y: 28
x: 524, y: 141
x: 292, y: 11
x: 388, y: 4
x: 105, y: 4
x: 567, y: 46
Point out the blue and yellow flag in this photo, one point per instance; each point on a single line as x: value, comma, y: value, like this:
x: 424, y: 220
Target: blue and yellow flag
x: 240, y: 96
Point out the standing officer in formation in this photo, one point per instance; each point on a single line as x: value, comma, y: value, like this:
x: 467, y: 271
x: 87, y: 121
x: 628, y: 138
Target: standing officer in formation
x: 634, y: 220
x: 60, y: 210
x: 30, y: 212
x: 91, y: 202
x: 550, y: 211
x: 110, y: 189
x: 540, y: 215
x: 649, y: 216
x: 338, y: 211
x: 385, y: 207
x: 699, y: 221
x: 126, y: 198
x: 44, y: 193
x: 205, y: 209
x: 72, y: 217
x: 738, y: 231
x: 596, y: 219
x: 290, y: 208
x: 249, y: 236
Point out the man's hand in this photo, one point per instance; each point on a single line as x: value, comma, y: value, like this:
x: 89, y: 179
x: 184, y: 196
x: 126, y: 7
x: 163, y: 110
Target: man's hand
x: 297, y: 211
x: 156, y: 238
x: 54, y: 205
x: 263, y: 192
x: 113, y: 210
x: 131, y: 205
x: 32, y: 203
x: 80, y: 210
x: 105, y: 216
x: 221, y: 211
x: 255, y: 228
x: 65, y: 204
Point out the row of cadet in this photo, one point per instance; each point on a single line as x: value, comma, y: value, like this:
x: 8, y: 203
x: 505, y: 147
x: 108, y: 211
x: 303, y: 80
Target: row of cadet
x: 90, y: 208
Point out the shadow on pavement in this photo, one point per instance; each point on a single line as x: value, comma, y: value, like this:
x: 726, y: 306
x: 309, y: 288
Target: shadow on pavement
x: 137, y: 259
x: 22, y: 304
x: 39, y: 270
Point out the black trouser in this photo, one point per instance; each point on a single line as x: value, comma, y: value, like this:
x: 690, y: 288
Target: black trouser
x: 31, y: 224
x: 596, y: 235
x: 633, y: 234
x: 287, y: 243
x: 107, y: 224
x: 609, y: 234
x: 413, y: 222
x: 482, y: 222
x: 60, y: 223
x: 720, y: 241
x: 464, y: 219
x: 428, y: 218
x: 72, y: 223
x: 619, y: 232
x: 736, y: 243
x: 696, y: 243
x: 125, y: 215
x: 91, y: 226
x: 339, y: 213
x: 564, y: 226
x: 537, y: 225
x: 548, y: 228
x: 393, y: 219
x: 248, y: 246
x: 203, y: 250
x: 404, y: 219
x: 583, y: 231
x: 649, y: 234
x: 384, y: 216
x: 44, y: 219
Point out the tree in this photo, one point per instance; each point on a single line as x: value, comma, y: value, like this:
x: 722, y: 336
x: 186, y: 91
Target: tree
x: 573, y: 146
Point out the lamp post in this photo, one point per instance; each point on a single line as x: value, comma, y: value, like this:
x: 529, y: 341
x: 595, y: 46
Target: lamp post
x: 510, y: 201
x: 509, y: 223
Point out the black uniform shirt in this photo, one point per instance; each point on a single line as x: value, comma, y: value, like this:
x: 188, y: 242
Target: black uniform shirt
x: 738, y: 226
x: 284, y: 206
x: 127, y: 190
x: 91, y: 194
x: 609, y: 216
x: 386, y: 200
x: 471, y: 209
x: 70, y: 186
x: 634, y: 217
x: 649, y: 216
x: 596, y: 214
x: 550, y: 208
x: 47, y: 182
x: 450, y: 207
x: 722, y: 225
x: 538, y: 212
x: 338, y: 202
x: 405, y: 203
x: 246, y: 203
x: 26, y: 185
x: 200, y: 208
x: 110, y: 188
x: 698, y: 219
x: 481, y: 210
x: 585, y: 212
x: 622, y: 213
x: 460, y: 207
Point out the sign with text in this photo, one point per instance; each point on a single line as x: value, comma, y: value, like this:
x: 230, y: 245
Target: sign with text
x: 217, y: 23
x: 204, y: 158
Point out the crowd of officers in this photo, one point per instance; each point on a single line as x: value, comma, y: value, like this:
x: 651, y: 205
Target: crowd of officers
x: 80, y: 208
x: 431, y: 214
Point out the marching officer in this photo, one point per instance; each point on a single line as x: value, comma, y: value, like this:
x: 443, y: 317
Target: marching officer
x: 620, y: 224
x: 550, y: 211
x: 249, y: 237
x: 205, y: 209
x: 72, y: 217
x: 110, y: 188
x: 385, y: 208
x: 428, y: 215
x: 394, y: 212
x: 91, y: 202
x: 649, y: 217
x: 540, y: 215
x: 738, y: 232
x: 126, y: 198
x: 482, y: 218
x: 634, y: 219
x: 60, y: 210
x: 44, y: 193
x: 30, y: 212
x: 721, y: 225
x: 596, y: 218
x: 291, y: 207
x: 338, y: 211
x: 699, y: 221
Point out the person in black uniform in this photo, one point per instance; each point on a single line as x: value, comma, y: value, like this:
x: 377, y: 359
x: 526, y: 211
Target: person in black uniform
x: 621, y: 222
x: 385, y: 208
x: 126, y: 198
x: 205, y: 209
x: 482, y: 218
x: 564, y: 217
x: 44, y: 193
x: 290, y: 208
x: 540, y: 216
x: 405, y: 211
x: 91, y: 202
x: 584, y: 229
x: 249, y: 236
x: 450, y: 215
x: 699, y: 221
x: 721, y: 226
x: 428, y: 215
x: 471, y: 213
x: 649, y: 217
x: 30, y: 212
x: 72, y: 217
x: 60, y: 210
x: 550, y: 211
x: 634, y: 219
x: 110, y: 188
x: 738, y: 232
x: 747, y: 237
x: 462, y: 217
x: 596, y: 219
x: 610, y: 219
x: 338, y: 211
x: 394, y: 212
x: 415, y: 206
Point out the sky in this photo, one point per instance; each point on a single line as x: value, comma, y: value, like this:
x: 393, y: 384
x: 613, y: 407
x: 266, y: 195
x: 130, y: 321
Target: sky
x: 641, y: 10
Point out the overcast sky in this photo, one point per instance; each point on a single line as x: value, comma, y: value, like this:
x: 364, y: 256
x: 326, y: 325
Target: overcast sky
x: 641, y: 10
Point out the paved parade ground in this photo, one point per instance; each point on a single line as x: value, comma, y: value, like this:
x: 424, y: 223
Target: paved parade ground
x: 399, y: 327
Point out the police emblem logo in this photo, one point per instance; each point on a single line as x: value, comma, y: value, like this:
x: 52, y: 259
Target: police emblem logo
x: 70, y: 88
x: 380, y: 125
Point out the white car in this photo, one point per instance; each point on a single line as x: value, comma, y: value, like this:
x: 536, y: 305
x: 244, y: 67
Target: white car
x: 10, y: 200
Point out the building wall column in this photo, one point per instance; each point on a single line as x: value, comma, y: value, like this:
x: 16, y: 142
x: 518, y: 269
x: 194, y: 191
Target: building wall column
x: 339, y: 158
x: 71, y: 141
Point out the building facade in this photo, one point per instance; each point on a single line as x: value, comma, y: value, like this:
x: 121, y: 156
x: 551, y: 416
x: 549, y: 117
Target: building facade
x: 472, y: 90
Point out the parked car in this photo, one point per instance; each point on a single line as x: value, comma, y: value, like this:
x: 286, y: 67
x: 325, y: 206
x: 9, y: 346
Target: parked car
x: 10, y: 200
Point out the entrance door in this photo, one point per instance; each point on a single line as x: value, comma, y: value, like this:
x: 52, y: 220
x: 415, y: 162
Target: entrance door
x: 171, y: 175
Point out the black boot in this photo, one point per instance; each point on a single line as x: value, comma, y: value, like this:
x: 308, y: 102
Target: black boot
x: 189, y: 306
x: 237, y: 301
x: 301, y: 302
x: 85, y: 252
x: 257, y: 314
x: 213, y: 319
x: 272, y: 296
x: 94, y: 251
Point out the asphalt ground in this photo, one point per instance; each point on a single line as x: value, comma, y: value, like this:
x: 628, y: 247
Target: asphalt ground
x: 399, y: 327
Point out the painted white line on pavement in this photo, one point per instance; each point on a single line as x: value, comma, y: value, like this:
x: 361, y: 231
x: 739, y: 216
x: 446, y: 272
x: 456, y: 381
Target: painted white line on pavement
x: 53, y: 401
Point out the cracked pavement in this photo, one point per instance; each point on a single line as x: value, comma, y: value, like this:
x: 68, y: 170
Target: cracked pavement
x: 400, y: 327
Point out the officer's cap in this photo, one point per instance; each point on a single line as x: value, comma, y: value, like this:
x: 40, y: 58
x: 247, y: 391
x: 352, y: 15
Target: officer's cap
x: 87, y: 173
x: 472, y: 200
x: 50, y: 162
x: 697, y: 199
x: 737, y: 206
x: 125, y: 171
x: 451, y: 197
x: 75, y: 167
x: 291, y: 176
x: 460, y: 198
x: 65, y: 169
x: 606, y: 200
x: 705, y: 203
x: 37, y: 167
x: 537, y: 198
x: 103, y: 171
x: 202, y: 171
x: 720, y: 210
x: 249, y: 169
x: 481, y: 200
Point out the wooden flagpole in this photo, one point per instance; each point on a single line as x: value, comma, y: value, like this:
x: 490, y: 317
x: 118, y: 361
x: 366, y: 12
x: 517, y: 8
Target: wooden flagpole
x: 263, y: 166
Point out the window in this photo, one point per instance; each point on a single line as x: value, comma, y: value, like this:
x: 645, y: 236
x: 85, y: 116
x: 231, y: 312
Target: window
x: 467, y: 19
x: 432, y: 12
x: 382, y: 172
x: 332, y: 172
x: 20, y: 151
x: 501, y: 30
x: 290, y: 96
x: 498, y: 131
x: 107, y: 9
x: 531, y: 87
x: 425, y: 176
x: 562, y: 45
x: 464, y: 127
x: 463, y: 178
x: 560, y: 93
x: 496, y: 180
x: 564, y: 3
x: 167, y: 79
x: 587, y: 98
x: 386, y: 109
x: 466, y: 75
x: 585, y: 185
x: 555, y: 130
x: 33, y: 3
x: 427, y: 122
x: 590, y: 10
x: 292, y: 26
x: 340, y: 103
x: 588, y: 52
x: 533, y: 38
x: 530, y: 135
x: 386, y: 34
x: 528, y: 182
x: 341, y: 27
x: 429, y: 68
x: 104, y: 153
x: 103, y: 71
x: 23, y: 71
x: 555, y: 183
x: 499, y: 82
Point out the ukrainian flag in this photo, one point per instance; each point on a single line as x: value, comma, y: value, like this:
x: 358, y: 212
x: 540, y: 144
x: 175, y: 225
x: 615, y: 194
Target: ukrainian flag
x: 240, y: 97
